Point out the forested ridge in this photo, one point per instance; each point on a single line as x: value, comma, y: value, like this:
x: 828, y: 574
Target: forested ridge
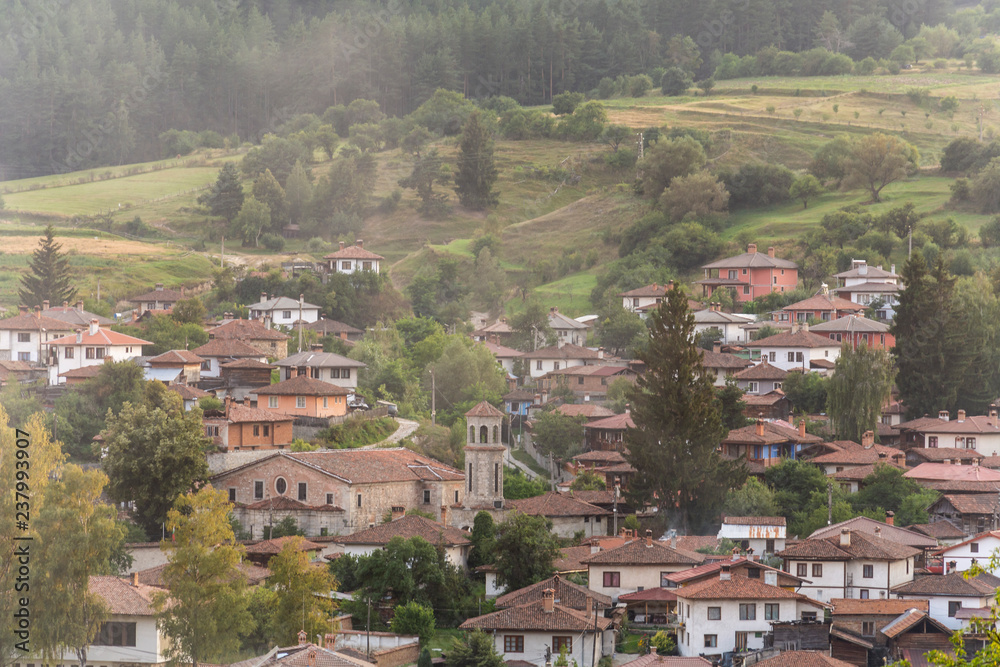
x: 95, y: 82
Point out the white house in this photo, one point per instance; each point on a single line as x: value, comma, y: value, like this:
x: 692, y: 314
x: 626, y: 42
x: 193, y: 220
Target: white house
x: 90, y: 348
x: 978, y: 550
x: 158, y: 299
x: 326, y: 366
x: 761, y: 379
x: 981, y: 433
x: 797, y: 350
x: 727, y: 613
x: 950, y: 593
x: 636, y: 565
x: 506, y: 356
x: 730, y: 325
x: 568, y: 515
x: 567, y: 329
x: 353, y: 258
x: 556, y: 357
x: 719, y: 365
x: 851, y: 565
x: 637, y: 299
x: 763, y: 534
x: 282, y: 311
x: 455, y: 542
x: 219, y: 351
x: 23, y: 337
x: 534, y: 631
x: 866, y: 285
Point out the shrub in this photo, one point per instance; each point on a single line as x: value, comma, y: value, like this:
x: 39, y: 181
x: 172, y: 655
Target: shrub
x: 391, y: 201
x: 989, y: 234
x: 273, y: 242
x: 639, y: 85
x: 758, y: 184
x: 566, y: 103
x: 949, y: 104
x: 697, y: 196
x: 675, y: 81
x: 985, y: 188
x: 940, y: 63
x: 865, y: 67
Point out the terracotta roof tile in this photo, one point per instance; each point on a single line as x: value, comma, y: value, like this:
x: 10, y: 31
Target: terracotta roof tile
x: 501, y: 351
x: 377, y: 465
x: 650, y: 595
x: 803, y: 659
x: 907, y: 620
x: 353, y: 252
x: 570, y: 557
x: 888, y: 607
x: 824, y: 302
x: 176, y: 357
x: 712, y: 359
x: 102, y: 337
x: 961, y: 486
x: 653, y: 290
x: 773, y: 434
x: 567, y: 351
x: 84, y: 372
x: 532, y: 617
x: 945, y: 471
x: 227, y: 347
x: 242, y: 414
x: 602, y: 496
x: 245, y: 330
x: 862, y: 546
x: 655, y: 660
x: 751, y: 260
x: 246, y: 363
x: 483, y: 409
x: 851, y: 453
x: 712, y: 569
x: 122, y: 597
x: 972, y: 503
x: 762, y: 371
x: 737, y: 588
x: 188, y: 392
x: 770, y: 398
x: 275, y: 546
x: 851, y: 324
x: 800, y: 338
x: 567, y: 594
x: 556, y: 505
x: 407, y: 527
x: 864, y: 524
x: 620, y: 422
x: 76, y: 317
x: 637, y: 552
x: 955, y: 583
x: 941, y: 530
x: 303, y: 385
x: 939, y: 454
x: 303, y: 655
x: 253, y: 574
x: 324, y: 327
x: 600, y: 456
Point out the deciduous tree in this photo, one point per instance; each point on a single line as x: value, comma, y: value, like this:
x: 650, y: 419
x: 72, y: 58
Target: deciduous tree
x: 475, y: 650
x: 876, y: 160
x: 668, y: 159
x: 525, y: 550
x: 860, y: 386
x: 805, y: 188
x: 302, y: 601
x: 48, y: 277
x: 558, y: 434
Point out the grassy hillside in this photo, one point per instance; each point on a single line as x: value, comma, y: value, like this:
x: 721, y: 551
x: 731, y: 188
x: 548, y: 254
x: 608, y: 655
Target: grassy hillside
x: 561, y: 209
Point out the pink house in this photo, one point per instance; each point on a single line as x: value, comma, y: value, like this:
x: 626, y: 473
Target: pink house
x: 750, y: 275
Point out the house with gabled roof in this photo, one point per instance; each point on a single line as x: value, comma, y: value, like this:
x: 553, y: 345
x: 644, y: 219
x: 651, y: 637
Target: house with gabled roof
x: 650, y: 295
x: 739, y: 566
x: 857, y: 330
x: 913, y: 634
x: 760, y: 379
x: 308, y: 654
x: 283, y: 311
x: 949, y: 594
x: 822, y: 306
x: 564, y: 591
x: 719, y: 365
x: 567, y: 330
x: 639, y: 563
x: 761, y: 534
x: 607, y: 434
x: 843, y: 455
x: 189, y: 395
x: 24, y: 336
x: 557, y: 357
x: 19, y: 372
x: 345, y: 332
x: 729, y: 325
x: 726, y: 613
x: 978, y: 432
x: 364, y: 485
x: 74, y: 315
x: 454, y: 542
x: 159, y: 299
x: 255, y: 333
x: 187, y: 363
x: 353, y: 258
x: 856, y: 630
x: 765, y: 444
x: 588, y: 383
x: 219, y: 351
x: 852, y: 564
x: 252, y: 574
x: 886, y: 530
x: 240, y: 427
x: 304, y: 396
x: 536, y: 631
x: 950, y: 455
x: 802, y: 659
x: 750, y: 275
x: 870, y: 286
x: 977, y: 550
x: 327, y: 367
x: 567, y: 514
x: 497, y: 332
x: 90, y: 348
x: 797, y: 349
x: 945, y: 532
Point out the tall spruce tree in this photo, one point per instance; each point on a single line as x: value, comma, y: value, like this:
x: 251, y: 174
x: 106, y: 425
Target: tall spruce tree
x: 225, y: 198
x: 48, y: 278
x: 477, y: 172
x: 678, y: 425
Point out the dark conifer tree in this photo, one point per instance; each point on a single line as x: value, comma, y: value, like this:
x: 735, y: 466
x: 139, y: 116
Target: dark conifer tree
x: 48, y: 278
x: 477, y: 172
x: 225, y: 198
x: 678, y: 425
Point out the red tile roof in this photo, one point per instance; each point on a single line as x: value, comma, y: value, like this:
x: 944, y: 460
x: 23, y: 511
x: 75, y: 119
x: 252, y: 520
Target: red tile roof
x: 711, y: 359
x: 567, y: 351
x: 246, y: 363
x: 570, y: 557
x: 650, y: 595
x: 253, y: 574
x: 407, y: 527
x: 751, y: 260
x: 712, y: 569
x: 245, y: 330
x: 227, y: 347
x: 738, y: 588
x: 121, y: 597
x: 800, y: 338
x: 824, y: 302
x: 939, y: 454
x: 945, y: 471
x: 353, y: 252
x: 862, y: 546
x: 851, y: 324
x: 324, y: 327
x: 32, y: 322
x: 484, y: 409
x: 187, y: 392
x: 653, y: 290
x: 655, y: 660
x: 888, y: 607
x: 638, y: 552
x: 275, y: 546
x: 84, y: 372
x: 909, y: 619
x: 851, y: 453
x: 972, y: 503
x: 501, y: 351
x: 588, y: 410
x: 955, y: 583
x: 941, y: 530
x: 619, y: 422
x: 803, y: 659
x: 532, y: 617
x: 567, y: 594
x: 303, y: 385
x: 762, y: 371
x: 866, y: 525
x: 600, y: 456
x: 277, y: 503
x: 176, y: 357
x: 102, y: 337
x: 556, y: 505
x: 242, y: 414
x: 773, y: 434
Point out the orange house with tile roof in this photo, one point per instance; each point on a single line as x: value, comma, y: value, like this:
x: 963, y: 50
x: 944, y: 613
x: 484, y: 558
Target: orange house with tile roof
x: 304, y: 396
x: 242, y: 428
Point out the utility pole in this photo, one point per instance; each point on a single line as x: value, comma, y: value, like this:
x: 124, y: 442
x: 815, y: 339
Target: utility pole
x: 829, y: 503
x: 368, y: 628
x: 638, y: 166
x: 593, y: 661
x: 909, y: 233
x: 433, y: 392
x: 222, y: 254
x: 301, y: 297
x: 617, y: 490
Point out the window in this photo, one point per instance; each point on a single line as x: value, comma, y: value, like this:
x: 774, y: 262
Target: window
x: 302, y: 491
x: 206, y: 365
x: 286, y: 314
x: 579, y: 380
x: 791, y: 356
x: 746, y: 289
x: 345, y: 373
x: 555, y: 365
x: 715, y: 613
x: 326, y: 402
x: 456, y: 496
x: 864, y: 594
x: 741, y: 641
x: 258, y: 489
x: 974, y: 547
x: 772, y: 612
x: 346, y: 266
x: 868, y: 628
x: 612, y: 579
x: 116, y: 633
x: 334, y: 373
x: 256, y: 430
x: 635, y: 303
x: 272, y: 401
x: 808, y: 616
x: 280, y: 485
x: 513, y: 643
x: 89, y: 353
x: 711, y: 641
x: 748, y: 612
x: 300, y: 401
x: 560, y: 643
x: 367, y: 266
x: 868, y: 571
x: 753, y: 573
x: 769, y: 544
x: 970, y: 443
x: 664, y: 582
x: 953, y: 608
x: 802, y: 570
x: 732, y: 274
x: 932, y: 441
x: 753, y: 387
x: 817, y: 570
x: 772, y: 356
x: 359, y: 500
x: 427, y: 496
x: 232, y: 495
x: 68, y: 353
x: 538, y: 365
x: 23, y: 337
x: 329, y: 499
x: 798, y: 357
x: 24, y: 356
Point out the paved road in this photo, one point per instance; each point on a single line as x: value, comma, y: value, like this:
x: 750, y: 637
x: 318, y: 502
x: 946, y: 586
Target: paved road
x: 405, y: 430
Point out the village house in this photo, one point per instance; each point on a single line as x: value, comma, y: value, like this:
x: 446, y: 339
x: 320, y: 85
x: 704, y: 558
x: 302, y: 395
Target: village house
x: 931, y: 472
x: 19, y: 372
x: 853, y: 564
x: 517, y: 404
x: 760, y: 379
x: 567, y: 330
x: 772, y: 406
x: 949, y: 455
x: 242, y: 376
x: 74, y: 315
x: 270, y: 342
x: 978, y: 549
x: 189, y: 395
x: 456, y: 543
x: 303, y: 396
x: 588, y: 383
x: 739, y: 566
x: 505, y: 356
x: 765, y: 444
x: 353, y: 258
x: 565, y: 593
x: 636, y: 565
x: 23, y: 337
x: 239, y: 427
x: 641, y: 297
x: 219, y: 351
x: 498, y: 332
x: 159, y: 299
x: 589, y: 411
x: 729, y: 325
x: 345, y: 332
x: 556, y: 357
x: 726, y: 613
x: 857, y: 626
x: 328, y: 367
x: 857, y: 330
x: 945, y: 532
x: 822, y: 306
x: 568, y: 515
x: 797, y: 349
x: 870, y: 286
x: 952, y: 594
x: 607, y: 434
x: 844, y: 455
x: 364, y: 484
x: 536, y: 632
x: 887, y: 530
x: 805, y: 658
x: 719, y: 365
x: 750, y: 275
x: 760, y: 534
x: 981, y: 433
x: 90, y: 348
x: 283, y: 311
x: 971, y: 513
x: 182, y: 362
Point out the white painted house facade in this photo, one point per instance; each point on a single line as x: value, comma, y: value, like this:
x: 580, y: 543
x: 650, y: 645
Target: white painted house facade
x: 90, y: 348
x: 283, y: 311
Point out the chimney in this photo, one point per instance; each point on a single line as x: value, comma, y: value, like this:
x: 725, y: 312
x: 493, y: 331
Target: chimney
x: 863, y: 269
x: 79, y: 305
x: 943, y: 415
x: 892, y: 269
x: 825, y: 289
x: 360, y: 243
x: 673, y: 541
x: 302, y: 637
x: 65, y: 304
x: 890, y: 518
x: 398, y: 512
x: 22, y: 310
x: 770, y: 251
x: 649, y: 538
x: 594, y: 548
x: 316, y: 347
x: 802, y: 427
x: 94, y: 326
x: 717, y: 346
x: 38, y: 312
x: 79, y: 336
x: 868, y: 439
x: 135, y: 580
x: 341, y: 245
x: 845, y: 537
x: 159, y: 287
x: 961, y: 416
x: 586, y: 397
x: 45, y: 304
x: 330, y: 641
x: 760, y: 427
x: 724, y: 573
x: 263, y: 296
x: 548, y: 600
x: 752, y: 248
x: 655, y: 287
x: 878, y: 531
x: 770, y: 577
x: 600, y: 353
x: 950, y: 567
x: 735, y: 555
